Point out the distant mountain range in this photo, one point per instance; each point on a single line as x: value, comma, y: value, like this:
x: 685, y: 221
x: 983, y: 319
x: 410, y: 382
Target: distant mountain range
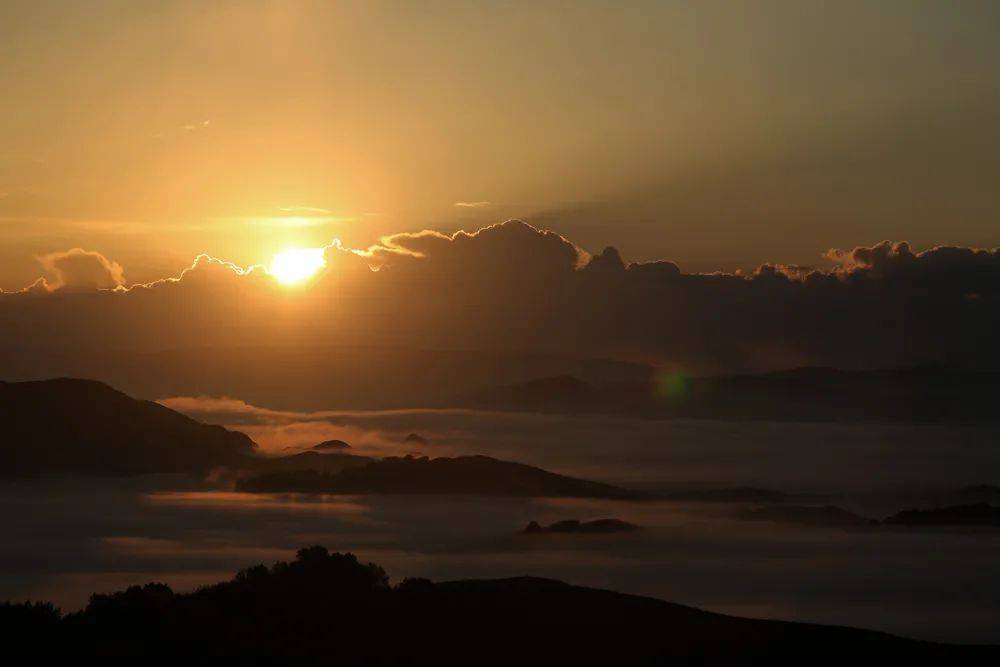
x: 346, y: 377
x: 313, y: 377
x: 978, y: 515
x: 922, y: 394
x: 966, y: 495
x: 333, y: 608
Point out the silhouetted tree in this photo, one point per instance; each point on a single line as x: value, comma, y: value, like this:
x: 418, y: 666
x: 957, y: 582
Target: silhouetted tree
x: 330, y: 607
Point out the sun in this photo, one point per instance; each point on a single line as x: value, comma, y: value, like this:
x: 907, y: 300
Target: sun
x: 297, y: 265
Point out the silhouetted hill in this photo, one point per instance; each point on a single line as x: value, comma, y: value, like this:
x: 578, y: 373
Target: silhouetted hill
x: 332, y: 608
x: 597, y: 526
x: 807, y: 515
x: 81, y: 426
x: 459, y: 475
x: 979, y: 514
x: 330, y: 445
x: 311, y: 460
x: 921, y: 394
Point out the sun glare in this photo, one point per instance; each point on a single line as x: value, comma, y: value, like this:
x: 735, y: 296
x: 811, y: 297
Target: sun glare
x: 297, y: 265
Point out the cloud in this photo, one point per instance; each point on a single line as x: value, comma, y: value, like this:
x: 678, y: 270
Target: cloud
x: 502, y: 244
x: 473, y: 204
x: 224, y: 409
x: 377, y: 433
x: 942, y: 267
x: 79, y: 270
x: 514, y: 287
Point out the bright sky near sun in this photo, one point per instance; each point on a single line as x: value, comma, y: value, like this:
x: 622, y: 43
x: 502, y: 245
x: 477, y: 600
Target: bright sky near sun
x: 714, y: 134
x: 296, y: 265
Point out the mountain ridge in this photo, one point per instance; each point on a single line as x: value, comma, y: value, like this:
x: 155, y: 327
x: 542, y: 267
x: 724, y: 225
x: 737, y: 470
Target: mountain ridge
x: 474, y: 474
x: 72, y: 425
x: 914, y: 394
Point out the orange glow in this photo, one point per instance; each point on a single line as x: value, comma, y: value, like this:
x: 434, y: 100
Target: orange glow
x: 295, y: 266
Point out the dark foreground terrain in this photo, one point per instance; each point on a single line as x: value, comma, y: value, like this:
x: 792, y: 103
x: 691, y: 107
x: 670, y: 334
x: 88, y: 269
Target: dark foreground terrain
x: 335, y: 609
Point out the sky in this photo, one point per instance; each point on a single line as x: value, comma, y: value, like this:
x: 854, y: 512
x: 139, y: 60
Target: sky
x: 715, y: 135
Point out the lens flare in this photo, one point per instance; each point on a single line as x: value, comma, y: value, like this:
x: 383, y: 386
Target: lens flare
x: 668, y: 384
x: 297, y: 265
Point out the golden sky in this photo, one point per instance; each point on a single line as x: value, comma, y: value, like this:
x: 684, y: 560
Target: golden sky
x: 713, y: 134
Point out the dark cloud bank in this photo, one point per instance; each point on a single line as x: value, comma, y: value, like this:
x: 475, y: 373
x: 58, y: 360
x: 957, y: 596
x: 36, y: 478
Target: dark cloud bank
x: 514, y: 287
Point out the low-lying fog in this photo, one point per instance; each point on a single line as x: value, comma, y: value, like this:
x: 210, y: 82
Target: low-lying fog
x: 647, y: 454
x: 66, y: 538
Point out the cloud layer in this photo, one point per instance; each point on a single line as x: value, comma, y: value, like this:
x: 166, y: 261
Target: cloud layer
x: 514, y: 287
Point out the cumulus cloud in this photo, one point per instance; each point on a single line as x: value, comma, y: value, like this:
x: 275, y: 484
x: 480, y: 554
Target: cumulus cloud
x: 514, y: 246
x: 512, y: 286
x: 942, y: 267
x: 80, y: 270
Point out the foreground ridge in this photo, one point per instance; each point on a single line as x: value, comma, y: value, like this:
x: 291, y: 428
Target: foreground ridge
x: 331, y: 604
